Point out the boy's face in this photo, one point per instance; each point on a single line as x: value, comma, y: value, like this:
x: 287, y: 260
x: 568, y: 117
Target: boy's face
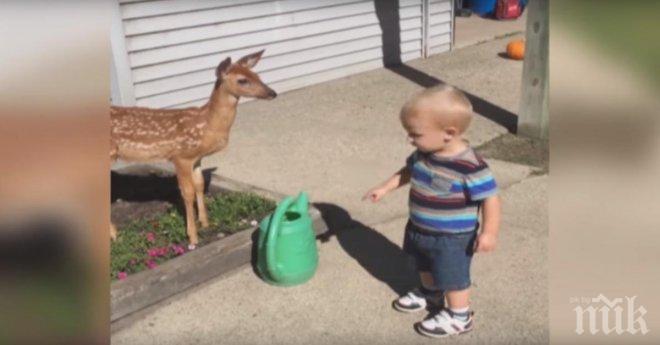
x: 425, y: 134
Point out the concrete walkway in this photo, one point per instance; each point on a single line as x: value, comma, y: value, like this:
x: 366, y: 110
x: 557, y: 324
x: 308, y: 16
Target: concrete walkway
x: 335, y: 140
x: 475, y: 29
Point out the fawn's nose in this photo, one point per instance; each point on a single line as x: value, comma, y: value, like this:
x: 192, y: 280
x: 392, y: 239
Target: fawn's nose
x: 272, y: 94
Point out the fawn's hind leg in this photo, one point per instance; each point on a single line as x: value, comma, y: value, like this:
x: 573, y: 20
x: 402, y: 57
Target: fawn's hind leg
x: 198, y: 179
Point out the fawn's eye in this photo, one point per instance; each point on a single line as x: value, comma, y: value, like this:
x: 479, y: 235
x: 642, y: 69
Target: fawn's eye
x: 243, y: 82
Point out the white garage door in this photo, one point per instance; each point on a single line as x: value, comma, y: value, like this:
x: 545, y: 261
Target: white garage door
x: 165, y: 52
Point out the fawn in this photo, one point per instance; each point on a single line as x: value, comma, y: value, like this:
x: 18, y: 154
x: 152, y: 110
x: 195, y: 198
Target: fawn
x: 184, y: 136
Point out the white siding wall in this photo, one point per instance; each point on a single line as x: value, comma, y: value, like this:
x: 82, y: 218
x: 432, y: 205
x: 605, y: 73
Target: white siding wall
x: 440, y: 26
x: 173, y: 46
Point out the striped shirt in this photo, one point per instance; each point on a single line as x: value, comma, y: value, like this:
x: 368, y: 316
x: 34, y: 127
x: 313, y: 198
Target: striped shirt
x: 446, y: 192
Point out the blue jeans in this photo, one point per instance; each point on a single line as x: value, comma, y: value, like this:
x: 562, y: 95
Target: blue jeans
x: 446, y: 256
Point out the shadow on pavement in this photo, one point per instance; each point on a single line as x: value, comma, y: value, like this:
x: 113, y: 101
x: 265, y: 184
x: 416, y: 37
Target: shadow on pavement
x: 380, y: 257
x: 387, y: 12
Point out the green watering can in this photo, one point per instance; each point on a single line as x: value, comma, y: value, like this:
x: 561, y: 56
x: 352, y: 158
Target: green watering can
x: 287, y: 252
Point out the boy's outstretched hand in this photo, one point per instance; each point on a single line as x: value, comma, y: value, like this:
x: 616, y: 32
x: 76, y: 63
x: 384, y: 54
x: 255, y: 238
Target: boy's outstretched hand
x: 375, y: 194
x: 485, y: 242
x: 400, y: 178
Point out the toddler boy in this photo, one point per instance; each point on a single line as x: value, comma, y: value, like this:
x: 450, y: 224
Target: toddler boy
x: 450, y: 186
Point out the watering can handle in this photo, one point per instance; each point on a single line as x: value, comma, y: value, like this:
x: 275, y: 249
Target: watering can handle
x: 272, y: 235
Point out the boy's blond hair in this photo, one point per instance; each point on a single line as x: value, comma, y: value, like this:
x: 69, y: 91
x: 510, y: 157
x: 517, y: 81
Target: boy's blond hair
x: 449, y: 107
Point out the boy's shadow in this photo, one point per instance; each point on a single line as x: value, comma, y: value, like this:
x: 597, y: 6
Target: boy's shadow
x: 383, y: 259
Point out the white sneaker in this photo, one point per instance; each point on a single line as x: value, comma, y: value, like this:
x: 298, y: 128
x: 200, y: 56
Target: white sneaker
x: 411, y: 302
x: 443, y: 324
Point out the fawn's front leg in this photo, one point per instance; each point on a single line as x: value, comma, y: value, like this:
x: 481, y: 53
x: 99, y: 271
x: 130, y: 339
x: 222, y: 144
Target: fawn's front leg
x: 113, y: 231
x: 198, y: 179
x: 184, y: 175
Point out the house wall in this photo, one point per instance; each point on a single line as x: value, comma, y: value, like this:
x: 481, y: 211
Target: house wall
x: 165, y: 52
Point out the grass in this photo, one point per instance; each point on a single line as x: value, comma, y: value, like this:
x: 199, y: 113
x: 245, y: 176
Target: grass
x: 146, y: 243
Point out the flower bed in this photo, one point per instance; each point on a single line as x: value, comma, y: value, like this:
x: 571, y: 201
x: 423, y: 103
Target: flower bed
x: 148, y: 192
x: 152, y: 239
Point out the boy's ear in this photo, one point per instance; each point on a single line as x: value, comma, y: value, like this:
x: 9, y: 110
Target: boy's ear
x: 222, y: 68
x: 250, y: 60
x: 450, y: 132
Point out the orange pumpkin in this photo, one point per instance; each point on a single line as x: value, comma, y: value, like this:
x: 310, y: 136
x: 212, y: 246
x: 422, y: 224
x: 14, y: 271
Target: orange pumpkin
x: 516, y: 49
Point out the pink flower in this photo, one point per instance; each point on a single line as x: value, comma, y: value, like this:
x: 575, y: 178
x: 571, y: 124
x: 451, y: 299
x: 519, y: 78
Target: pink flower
x: 157, y: 251
x: 132, y: 262
x: 151, y: 264
x: 122, y: 275
x: 151, y: 237
x: 177, y: 249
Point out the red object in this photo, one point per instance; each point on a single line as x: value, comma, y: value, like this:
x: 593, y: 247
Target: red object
x: 508, y: 9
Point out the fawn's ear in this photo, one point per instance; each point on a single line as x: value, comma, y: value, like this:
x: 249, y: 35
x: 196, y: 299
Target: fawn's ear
x: 223, y: 67
x: 250, y: 60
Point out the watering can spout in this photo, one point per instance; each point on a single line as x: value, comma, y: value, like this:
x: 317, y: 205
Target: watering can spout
x: 302, y: 203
